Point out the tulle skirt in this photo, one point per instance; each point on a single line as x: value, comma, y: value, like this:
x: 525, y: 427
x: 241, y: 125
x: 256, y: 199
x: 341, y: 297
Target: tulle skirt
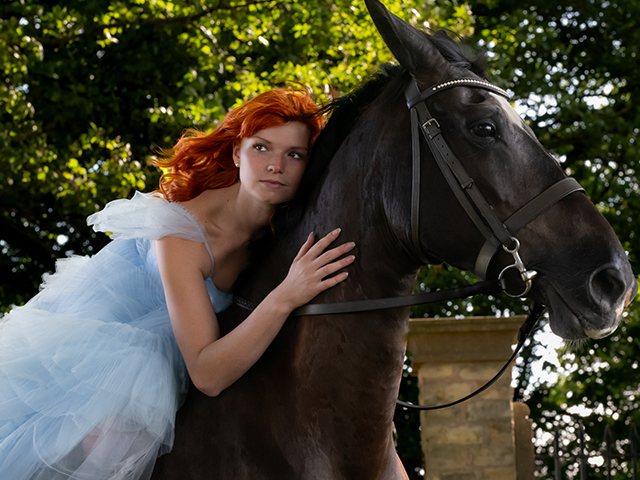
x: 90, y: 374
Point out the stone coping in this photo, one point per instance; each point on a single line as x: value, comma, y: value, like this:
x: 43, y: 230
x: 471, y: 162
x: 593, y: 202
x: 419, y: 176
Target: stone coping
x: 465, y: 324
x: 468, y: 339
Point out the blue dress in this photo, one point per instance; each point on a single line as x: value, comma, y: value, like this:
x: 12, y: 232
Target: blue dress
x: 90, y: 373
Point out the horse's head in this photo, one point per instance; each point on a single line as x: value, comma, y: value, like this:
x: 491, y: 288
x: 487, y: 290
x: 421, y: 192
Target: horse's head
x: 583, y: 275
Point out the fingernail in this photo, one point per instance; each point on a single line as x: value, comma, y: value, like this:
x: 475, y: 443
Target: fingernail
x: 353, y: 244
x: 352, y: 258
x: 337, y: 231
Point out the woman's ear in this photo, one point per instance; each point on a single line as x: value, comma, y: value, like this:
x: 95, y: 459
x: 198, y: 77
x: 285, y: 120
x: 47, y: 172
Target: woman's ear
x: 236, y: 154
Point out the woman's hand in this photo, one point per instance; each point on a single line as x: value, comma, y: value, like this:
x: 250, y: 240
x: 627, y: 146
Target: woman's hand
x: 312, y: 270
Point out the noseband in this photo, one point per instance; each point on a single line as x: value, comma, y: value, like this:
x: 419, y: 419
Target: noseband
x: 496, y: 232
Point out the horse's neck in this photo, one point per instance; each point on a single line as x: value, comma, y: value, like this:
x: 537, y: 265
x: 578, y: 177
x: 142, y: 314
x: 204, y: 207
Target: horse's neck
x: 351, y: 198
x: 360, y: 356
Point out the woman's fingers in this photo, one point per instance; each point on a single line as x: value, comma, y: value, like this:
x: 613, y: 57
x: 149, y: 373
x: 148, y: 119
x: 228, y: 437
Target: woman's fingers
x: 333, y: 281
x: 322, y: 244
x: 306, y: 246
x: 325, y: 262
x: 316, y: 269
x: 317, y: 250
x: 331, y: 255
x: 319, y: 246
x: 332, y: 268
x: 317, y: 261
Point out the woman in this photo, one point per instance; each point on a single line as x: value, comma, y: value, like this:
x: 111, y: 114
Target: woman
x: 93, y: 369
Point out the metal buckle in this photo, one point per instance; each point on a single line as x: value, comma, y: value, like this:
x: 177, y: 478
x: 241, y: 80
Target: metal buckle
x: 526, y: 275
x: 426, y: 124
x: 432, y: 121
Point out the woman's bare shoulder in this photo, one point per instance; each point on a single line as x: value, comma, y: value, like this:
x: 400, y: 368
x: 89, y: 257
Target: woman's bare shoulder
x: 178, y: 254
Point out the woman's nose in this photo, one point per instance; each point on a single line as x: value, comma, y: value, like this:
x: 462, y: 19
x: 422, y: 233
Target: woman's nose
x: 275, y: 165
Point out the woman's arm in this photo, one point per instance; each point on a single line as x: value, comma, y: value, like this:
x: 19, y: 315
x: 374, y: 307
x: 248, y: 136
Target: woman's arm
x: 216, y: 362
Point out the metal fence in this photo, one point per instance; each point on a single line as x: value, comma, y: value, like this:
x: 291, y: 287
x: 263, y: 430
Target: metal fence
x: 578, y: 458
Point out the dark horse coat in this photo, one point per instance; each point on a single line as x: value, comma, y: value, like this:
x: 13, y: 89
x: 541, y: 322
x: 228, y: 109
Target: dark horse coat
x: 320, y: 403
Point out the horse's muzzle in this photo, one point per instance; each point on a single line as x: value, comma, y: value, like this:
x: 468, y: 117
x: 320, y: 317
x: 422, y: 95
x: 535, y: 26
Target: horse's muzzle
x: 610, y: 294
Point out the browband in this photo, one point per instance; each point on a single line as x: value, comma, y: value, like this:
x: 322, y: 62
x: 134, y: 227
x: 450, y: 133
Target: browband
x: 469, y: 82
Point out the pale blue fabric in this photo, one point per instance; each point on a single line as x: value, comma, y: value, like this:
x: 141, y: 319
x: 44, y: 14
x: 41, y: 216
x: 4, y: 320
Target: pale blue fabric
x: 90, y: 373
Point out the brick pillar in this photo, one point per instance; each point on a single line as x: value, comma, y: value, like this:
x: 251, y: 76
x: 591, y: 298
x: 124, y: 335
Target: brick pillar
x: 452, y: 358
x: 523, y: 433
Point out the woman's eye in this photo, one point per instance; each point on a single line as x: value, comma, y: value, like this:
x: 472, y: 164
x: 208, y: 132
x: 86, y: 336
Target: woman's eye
x: 484, y: 130
x: 296, y: 155
x: 259, y: 147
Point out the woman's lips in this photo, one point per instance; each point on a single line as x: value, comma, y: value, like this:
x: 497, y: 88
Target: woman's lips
x: 273, y: 183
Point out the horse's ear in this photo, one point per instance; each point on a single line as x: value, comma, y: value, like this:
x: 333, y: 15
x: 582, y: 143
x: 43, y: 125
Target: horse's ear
x: 409, y: 45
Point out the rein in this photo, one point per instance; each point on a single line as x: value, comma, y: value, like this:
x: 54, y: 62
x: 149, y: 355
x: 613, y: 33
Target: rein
x: 480, y: 288
x: 496, y: 232
x: 535, y: 311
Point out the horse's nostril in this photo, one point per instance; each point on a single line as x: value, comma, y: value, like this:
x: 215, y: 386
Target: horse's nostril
x: 607, y: 287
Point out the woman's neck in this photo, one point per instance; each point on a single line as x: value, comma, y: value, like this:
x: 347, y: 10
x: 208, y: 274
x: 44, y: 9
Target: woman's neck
x: 230, y: 211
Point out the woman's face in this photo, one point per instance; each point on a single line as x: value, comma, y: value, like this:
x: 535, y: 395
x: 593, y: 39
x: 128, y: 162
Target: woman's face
x: 272, y: 162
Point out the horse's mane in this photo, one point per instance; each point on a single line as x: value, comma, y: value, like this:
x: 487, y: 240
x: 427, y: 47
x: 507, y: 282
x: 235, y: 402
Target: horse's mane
x: 345, y: 111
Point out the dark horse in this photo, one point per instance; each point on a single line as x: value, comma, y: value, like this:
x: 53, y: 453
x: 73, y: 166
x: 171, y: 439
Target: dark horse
x: 320, y: 403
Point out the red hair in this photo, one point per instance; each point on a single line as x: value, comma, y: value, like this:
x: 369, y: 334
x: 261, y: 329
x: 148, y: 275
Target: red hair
x: 201, y: 161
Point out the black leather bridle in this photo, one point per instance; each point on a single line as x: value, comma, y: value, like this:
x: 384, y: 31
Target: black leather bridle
x: 497, y: 233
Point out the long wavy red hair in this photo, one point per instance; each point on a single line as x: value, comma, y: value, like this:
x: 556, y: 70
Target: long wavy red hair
x: 201, y: 161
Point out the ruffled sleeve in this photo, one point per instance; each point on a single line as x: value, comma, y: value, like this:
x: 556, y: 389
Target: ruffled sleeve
x: 146, y: 216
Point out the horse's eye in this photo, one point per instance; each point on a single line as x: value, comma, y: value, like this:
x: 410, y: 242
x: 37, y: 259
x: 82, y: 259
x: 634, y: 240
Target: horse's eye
x: 484, y: 130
